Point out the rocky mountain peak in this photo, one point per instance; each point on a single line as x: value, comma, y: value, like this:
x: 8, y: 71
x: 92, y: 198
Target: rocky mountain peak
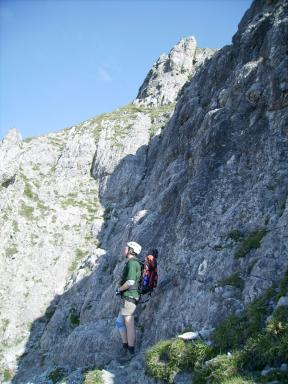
x: 180, y: 58
x: 12, y: 136
x: 10, y: 148
x: 170, y: 72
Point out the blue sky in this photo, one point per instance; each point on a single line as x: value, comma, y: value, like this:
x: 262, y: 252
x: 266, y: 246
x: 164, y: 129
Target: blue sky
x: 65, y: 61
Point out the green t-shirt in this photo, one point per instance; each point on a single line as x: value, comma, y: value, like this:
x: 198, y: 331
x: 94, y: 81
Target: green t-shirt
x: 132, y: 271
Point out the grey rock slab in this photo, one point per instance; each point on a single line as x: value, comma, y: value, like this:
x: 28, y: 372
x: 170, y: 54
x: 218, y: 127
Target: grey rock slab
x: 283, y: 301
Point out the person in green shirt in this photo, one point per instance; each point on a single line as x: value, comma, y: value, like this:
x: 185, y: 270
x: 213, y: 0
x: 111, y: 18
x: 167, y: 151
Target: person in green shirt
x: 128, y: 289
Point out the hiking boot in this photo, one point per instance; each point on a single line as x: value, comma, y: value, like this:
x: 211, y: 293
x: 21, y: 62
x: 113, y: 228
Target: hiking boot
x: 127, y: 356
x: 122, y: 354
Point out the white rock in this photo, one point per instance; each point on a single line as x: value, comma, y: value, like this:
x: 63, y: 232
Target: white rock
x: 189, y: 336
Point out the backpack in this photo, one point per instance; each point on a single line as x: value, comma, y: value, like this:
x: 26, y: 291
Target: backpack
x: 149, y: 273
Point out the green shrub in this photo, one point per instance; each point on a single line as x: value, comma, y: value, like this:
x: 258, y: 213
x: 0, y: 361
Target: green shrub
x: 7, y: 375
x: 255, y: 352
x: 157, y: 359
x: 107, y: 213
x: 168, y: 357
x: 42, y: 206
x: 257, y: 338
x: 234, y: 280
x: 68, y: 202
x: 15, y: 226
x: 180, y: 355
x: 26, y: 211
x: 74, y: 317
x: 79, y: 256
x: 49, y: 313
x: 28, y: 191
x: 279, y: 377
x: 259, y: 344
x: 4, y: 324
x: 93, y: 377
x: 251, y: 241
x: 202, y: 353
x: 270, y: 346
x: 278, y: 324
x: 12, y: 250
x: 233, y: 332
x: 57, y: 374
x: 238, y: 380
x: 235, y: 235
x: 217, y: 370
x: 228, y: 334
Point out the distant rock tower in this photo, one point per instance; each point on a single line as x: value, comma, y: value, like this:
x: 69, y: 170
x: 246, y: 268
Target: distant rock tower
x: 10, y: 149
x: 170, y: 72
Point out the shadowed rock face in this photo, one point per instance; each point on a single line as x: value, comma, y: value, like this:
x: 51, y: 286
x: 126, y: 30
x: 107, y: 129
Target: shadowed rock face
x: 217, y: 174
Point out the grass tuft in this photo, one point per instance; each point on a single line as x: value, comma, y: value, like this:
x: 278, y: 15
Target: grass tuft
x: 26, y: 211
x: 74, y: 317
x: 7, y: 375
x: 168, y: 357
x: 15, y: 226
x: 256, y: 339
x: 11, y: 251
x: 238, y: 380
x: 217, y: 370
x: 251, y: 241
x: 235, y: 235
x: 233, y: 332
x: 93, y: 377
x: 234, y: 280
x: 79, y: 256
x: 57, y: 374
x: 28, y: 191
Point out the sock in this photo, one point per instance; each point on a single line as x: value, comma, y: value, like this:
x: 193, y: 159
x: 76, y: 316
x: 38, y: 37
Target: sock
x: 125, y: 345
x: 131, y: 349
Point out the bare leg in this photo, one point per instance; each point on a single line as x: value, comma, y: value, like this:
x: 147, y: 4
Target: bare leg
x: 131, y: 335
x: 123, y: 334
x: 120, y: 324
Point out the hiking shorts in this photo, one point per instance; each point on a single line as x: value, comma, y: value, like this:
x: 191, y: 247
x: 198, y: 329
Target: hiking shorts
x: 127, y: 308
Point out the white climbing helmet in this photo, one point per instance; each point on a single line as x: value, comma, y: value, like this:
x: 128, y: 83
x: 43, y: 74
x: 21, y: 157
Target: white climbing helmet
x: 135, y: 246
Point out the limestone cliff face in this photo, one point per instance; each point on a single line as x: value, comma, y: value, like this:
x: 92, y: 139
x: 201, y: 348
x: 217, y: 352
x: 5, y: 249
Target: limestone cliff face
x: 198, y: 189
x: 45, y: 227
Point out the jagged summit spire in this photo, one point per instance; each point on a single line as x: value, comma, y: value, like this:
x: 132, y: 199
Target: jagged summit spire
x: 13, y: 135
x: 10, y: 149
x: 170, y: 72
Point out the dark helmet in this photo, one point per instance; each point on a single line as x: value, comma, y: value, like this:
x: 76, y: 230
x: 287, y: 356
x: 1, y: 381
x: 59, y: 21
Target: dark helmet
x: 153, y: 252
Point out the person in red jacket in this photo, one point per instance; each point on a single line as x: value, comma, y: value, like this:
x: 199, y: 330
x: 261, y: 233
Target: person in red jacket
x: 150, y: 275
